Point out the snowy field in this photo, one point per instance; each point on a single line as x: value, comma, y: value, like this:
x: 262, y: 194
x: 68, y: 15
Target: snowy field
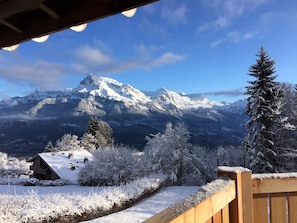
x: 48, y: 203
x: 47, y: 190
x: 35, y: 202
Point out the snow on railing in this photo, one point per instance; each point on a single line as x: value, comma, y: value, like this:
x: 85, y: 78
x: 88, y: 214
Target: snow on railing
x: 211, y: 202
x: 238, y: 196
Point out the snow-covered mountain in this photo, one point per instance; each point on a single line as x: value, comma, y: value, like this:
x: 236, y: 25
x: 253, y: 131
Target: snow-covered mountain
x: 93, y: 90
x: 47, y: 115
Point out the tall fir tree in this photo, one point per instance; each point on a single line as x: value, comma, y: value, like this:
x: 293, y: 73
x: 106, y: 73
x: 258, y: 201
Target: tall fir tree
x: 263, y: 108
x: 101, y: 131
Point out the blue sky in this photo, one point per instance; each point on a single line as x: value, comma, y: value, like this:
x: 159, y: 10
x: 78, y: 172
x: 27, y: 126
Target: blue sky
x: 204, y: 46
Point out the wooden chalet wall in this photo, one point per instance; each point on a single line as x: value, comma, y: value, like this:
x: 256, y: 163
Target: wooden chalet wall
x: 41, y: 170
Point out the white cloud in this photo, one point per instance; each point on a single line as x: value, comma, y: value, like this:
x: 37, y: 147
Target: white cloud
x: 91, y: 60
x: 287, y: 18
x: 174, y: 14
x: 219, y: 23
x: 222, y: 22
x: 147, y: 49
x: 228, y: 92
x: 233, y: 37
x: 50, y: 75
x: 217, y: 43
x: 146, y: 62
x: 228, y: 11
x: 92, y: 56
x: 236, y: 8
x: 236, y: 37
x: 167, y: 58
x: 40, y: 73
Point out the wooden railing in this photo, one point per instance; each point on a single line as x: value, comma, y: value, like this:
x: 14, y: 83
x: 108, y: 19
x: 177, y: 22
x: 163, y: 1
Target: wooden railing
x: 275, y: 198
x: 209, y: 204
x: 238, y: 196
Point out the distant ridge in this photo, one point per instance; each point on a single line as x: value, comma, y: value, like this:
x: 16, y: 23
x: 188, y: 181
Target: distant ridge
x: 28, y: 123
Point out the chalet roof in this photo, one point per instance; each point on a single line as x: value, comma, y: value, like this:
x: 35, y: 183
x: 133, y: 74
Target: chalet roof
x: 62, y: 162
x: 22, y: 20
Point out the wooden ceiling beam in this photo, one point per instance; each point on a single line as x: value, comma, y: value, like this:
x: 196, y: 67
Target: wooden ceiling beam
x: 50, y: 12
x: 40, y: 22
x: 11, y: 26
x: 13, y: 7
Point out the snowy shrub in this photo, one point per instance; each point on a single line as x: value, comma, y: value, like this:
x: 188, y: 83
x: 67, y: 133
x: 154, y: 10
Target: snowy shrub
x: 26, y: 181
x: 13, y: 166
x: 58, y: 182
x: 111, y: 166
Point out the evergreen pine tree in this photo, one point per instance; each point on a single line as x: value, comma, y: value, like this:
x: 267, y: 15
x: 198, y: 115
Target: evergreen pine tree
x: 101, y: 131
x: 263, y: 110
x: 49, y: 147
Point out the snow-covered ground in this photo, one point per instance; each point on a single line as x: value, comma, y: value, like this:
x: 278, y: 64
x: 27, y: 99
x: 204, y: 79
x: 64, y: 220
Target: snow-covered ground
x: 45, y: 204
x: 144, y: 209
x: 45, y: 190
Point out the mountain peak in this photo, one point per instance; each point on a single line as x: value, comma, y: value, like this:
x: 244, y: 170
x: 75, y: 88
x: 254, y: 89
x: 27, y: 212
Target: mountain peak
x: 111, y: 89
x: 94, y: 81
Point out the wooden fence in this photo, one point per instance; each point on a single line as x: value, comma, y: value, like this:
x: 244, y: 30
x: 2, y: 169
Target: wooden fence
x: 275, y: 198
x: 238, y: 196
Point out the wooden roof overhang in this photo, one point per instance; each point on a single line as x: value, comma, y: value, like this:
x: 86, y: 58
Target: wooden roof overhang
x: 22, y: 20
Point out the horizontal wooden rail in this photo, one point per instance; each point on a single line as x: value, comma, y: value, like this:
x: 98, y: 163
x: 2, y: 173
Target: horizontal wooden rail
x: 275, y: 198
x: 274, y: 183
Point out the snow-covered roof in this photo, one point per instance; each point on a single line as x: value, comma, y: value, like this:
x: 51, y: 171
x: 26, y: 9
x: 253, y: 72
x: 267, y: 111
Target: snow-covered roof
x: 62, y: 162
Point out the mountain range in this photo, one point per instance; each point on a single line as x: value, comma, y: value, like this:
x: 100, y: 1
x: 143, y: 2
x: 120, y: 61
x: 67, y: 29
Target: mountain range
x: 28, y: 123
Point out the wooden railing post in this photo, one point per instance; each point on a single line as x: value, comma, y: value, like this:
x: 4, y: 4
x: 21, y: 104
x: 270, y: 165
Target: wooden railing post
x: 241, y: 209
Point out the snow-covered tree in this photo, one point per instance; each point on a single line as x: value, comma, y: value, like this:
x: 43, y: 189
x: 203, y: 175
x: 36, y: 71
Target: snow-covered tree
x: 204, y: 162
x: 49, y: 147
x: 3, y: 160
x: 68, y: 142
x: 286, y: 135
x: 263, y: 108
x: 111, y: 166
x: 101, y: 131
x: 88, y: 142
x: 169, y: 152
x: 224, y: 156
